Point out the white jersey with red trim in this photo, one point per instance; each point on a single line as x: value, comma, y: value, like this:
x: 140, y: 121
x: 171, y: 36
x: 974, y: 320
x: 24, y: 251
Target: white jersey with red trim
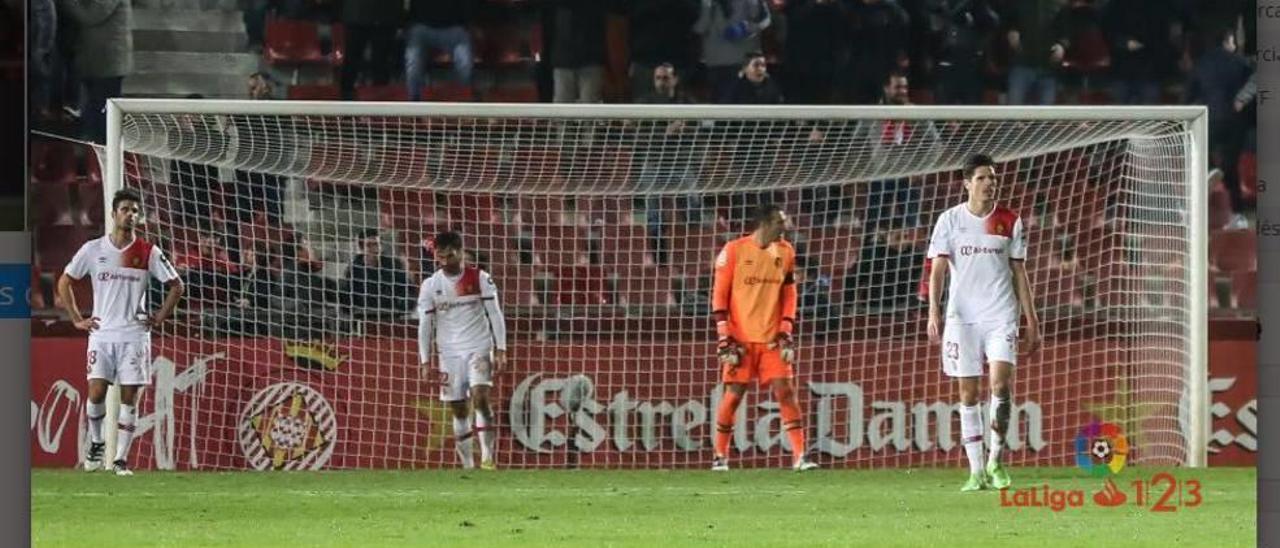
x: 120, y: 279
x: 979, y: 250
x: 466, y: 313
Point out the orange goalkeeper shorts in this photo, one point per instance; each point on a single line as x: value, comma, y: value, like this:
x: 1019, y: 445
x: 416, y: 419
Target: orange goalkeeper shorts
x: 758, y: 362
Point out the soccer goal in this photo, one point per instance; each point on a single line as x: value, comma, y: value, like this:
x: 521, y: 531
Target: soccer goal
x: 295, y: 349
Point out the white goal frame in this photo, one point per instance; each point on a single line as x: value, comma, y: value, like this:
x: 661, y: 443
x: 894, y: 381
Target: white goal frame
x: 1197, y: 151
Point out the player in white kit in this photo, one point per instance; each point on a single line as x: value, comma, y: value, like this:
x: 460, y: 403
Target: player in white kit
x: 984, y: 249
x: 458, y: 309
x: 120, y: 267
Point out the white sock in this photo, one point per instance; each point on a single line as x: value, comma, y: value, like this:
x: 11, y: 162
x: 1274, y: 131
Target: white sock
x: 486, y: 437
x: 462, y: 435
x: 95, y: 413
x: 971, y: 436
x: 124, y: 435
x: 997, y: 439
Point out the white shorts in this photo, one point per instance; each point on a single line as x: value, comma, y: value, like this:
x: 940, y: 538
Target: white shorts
x: 459, y: 372
x: 125, y: 363
x: 965, y: 345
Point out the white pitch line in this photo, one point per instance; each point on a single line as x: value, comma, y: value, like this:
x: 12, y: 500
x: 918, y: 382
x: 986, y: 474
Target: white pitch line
x: 374, y: 493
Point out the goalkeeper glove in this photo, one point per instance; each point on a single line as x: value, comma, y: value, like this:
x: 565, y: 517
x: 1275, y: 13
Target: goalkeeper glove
x: 786, y: 345
x: 729, y: 351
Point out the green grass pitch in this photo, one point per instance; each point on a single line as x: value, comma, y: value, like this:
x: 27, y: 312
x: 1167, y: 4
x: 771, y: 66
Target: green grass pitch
x: 620, y: 508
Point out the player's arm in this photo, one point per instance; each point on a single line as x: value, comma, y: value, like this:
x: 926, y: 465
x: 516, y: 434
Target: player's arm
x: 497, y: 322
x: 75, y: 271
x: 1026, y: 303
x: 1022, y: 288
x: 163, y: 270
x: 940, y: 255
x: 937, y: 277
x: 426, y: 324
x: 790, y: 301
x: 727, y: 349
x: 68, y: 296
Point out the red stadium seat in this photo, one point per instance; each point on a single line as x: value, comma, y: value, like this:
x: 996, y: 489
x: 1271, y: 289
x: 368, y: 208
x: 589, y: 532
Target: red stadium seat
x: 626, y: 246
x: 1244, y: 290
x: 1234, y: 251
x: 1248, y: 169
x: 57, y: 244
x: 53, y: 161
x: 1089, y: 52
x: 581, y: 285
x: 51, y: 204
x: 473, y: 208
x: 288, y: 41
x: 450, y: 92
x: 526, y: 93
x: 505, y: 45
x: 314, y: 92
x: 388, y: 92
x: 1219, y: 206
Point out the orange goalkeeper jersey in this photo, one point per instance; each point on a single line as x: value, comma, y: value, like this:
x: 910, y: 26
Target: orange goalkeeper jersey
x: 755, y: 288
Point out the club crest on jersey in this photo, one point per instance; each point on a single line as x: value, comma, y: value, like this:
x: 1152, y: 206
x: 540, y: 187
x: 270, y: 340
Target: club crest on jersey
x: 1001, y: 223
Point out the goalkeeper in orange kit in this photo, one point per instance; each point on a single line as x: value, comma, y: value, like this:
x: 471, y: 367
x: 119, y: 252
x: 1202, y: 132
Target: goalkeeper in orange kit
x: 754, y: 304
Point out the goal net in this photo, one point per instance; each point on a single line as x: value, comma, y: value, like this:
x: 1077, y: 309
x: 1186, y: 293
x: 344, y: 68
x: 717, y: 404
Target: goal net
x: 295, y: 348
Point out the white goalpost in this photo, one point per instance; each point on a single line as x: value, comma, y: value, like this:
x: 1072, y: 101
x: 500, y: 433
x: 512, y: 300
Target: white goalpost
x: 600, y: 224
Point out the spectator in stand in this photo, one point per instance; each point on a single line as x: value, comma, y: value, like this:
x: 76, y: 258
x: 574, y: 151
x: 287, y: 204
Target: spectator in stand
x: 193, y: 182
x: 260, y: 87
x: 376, y: 283
x: 895, y: 202
x: 43, y: 58
x: 577, y: 50
x: 1036, y: 52
x: 281, y: 293
x: 667, y: 164
x: 441, y: 25
x: 817, y: 47
x: 962, y: 30
x: 370, y: 24
x: 255, y: 191
x: 661, y: 33
x: 753, y: 85
x: 1142, y: 54
x: 212, y: 277
x: 883, y: 277
x: 730, y: 29
x: 324, y: 11
x: 1219, y: 74
x: 880, y: 31
x: 254, y: 15
x: 1078, y: 27
x: 104, y: 40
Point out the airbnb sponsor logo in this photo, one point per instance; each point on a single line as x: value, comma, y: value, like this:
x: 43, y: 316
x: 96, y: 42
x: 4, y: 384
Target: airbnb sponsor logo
x: 967, y: 250
x: 115, y: 276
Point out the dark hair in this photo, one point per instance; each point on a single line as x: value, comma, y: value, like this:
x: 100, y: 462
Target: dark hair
x: 449, y: 239
x: 667, y: 66
x: 368, y: 233
x: 1220, y: 35
x: 764, y: 213
x: 125, y: 195
x: 746, y: 59
x: 896, y: 73
x: 976, y: 161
